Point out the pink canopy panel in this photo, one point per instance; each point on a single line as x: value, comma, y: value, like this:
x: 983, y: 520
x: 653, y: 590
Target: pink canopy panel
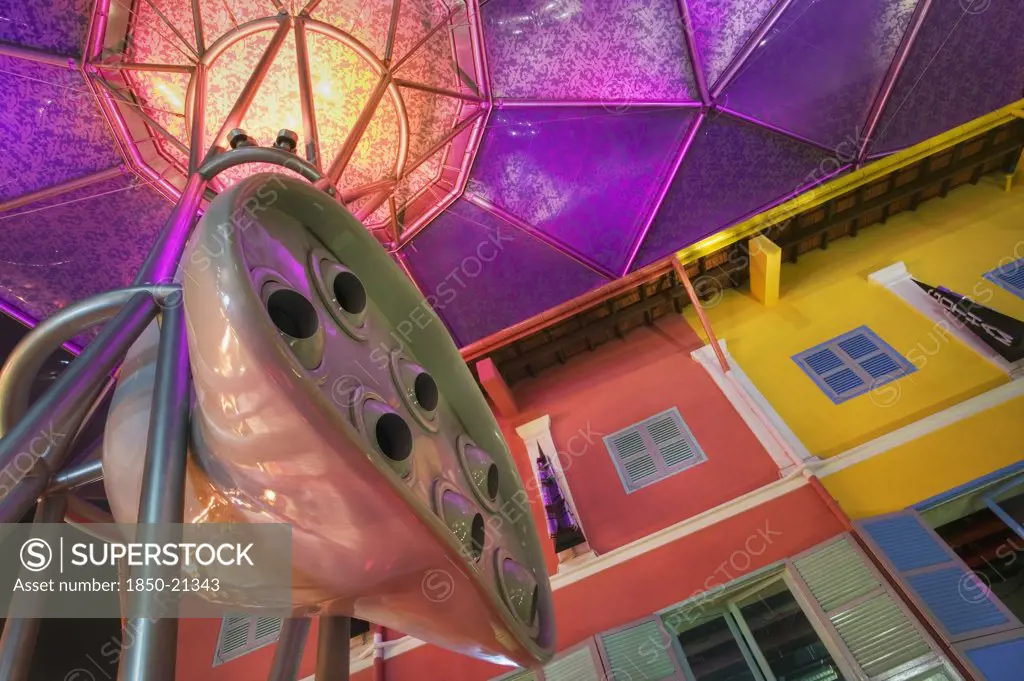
x: 513, y: 154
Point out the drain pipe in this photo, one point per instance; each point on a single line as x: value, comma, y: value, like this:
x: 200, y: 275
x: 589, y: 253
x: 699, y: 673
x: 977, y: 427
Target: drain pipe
x: 379, y: 633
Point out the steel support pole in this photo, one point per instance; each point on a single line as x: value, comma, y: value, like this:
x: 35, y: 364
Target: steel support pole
x: 162, y: 502
x: 45, y: 432
x: 332, y: 648
x: 70, y: 478
x: 306, y: 99
x: 161, y: 264
x: 290, y: 646
x: 18, y: 643
x: 256, y: 78
x: 684, y: 279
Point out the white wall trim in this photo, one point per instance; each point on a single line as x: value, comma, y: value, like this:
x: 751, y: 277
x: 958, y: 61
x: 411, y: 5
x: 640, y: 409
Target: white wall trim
x: 898, y: 280
x: 656, y: 540
x: 918, y: 429
x: 764, y: 422
x: 536, y: 435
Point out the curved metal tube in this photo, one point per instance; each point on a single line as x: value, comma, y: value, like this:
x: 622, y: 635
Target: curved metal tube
x: 235, y: 157
x: 28, y: 356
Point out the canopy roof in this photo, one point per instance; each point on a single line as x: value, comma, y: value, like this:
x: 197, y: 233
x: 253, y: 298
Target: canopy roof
x: 548, y: 147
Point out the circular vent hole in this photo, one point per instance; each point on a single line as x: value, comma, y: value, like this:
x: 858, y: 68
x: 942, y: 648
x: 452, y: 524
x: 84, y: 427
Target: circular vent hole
x: 476, y: 536
x: 292, y: 314
x: 393, y: 437
x: 349, y: 292
x: 425, y: 389
x: 492, y: 481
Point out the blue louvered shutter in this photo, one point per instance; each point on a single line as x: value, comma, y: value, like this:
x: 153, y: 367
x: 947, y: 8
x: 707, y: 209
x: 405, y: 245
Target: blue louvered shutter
x: 864, y: 614
x: 1009, y: 277
x: 639, y: 652
x: 851, y: 364
x: 962, y: 609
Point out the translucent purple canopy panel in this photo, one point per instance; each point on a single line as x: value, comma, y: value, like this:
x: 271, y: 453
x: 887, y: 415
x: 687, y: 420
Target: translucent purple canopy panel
x: 482, y: 274
x: 598, y: 135
x: 587, y: 49
x: 967, y: 60
x: 56, y: 25
x: 818, y: 70
x: 64, y: 249
x: 584, y: 178
x: 52, y: 132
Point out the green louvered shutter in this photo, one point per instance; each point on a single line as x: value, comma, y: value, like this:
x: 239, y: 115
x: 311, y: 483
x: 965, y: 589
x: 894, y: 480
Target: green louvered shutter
x: 641, y: 652
x: 524, y: 675
x: 864, y: 613
x: 578, y: 665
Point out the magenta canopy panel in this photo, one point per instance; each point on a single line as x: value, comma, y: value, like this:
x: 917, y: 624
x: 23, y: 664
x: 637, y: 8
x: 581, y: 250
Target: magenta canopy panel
x: 52, y: 132
x: 482, y: 274
x: 587, y: 49
x: 967, y: 61
x: 58, y: 251
x: 732, y: 169
x: 584, y: 177
x: 617, y: 131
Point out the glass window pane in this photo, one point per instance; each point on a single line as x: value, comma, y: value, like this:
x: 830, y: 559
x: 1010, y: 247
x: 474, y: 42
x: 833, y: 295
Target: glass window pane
x: 713, y: 653
x: 785, y: 636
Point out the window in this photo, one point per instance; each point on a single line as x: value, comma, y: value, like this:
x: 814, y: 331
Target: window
x: 852, y: 364
x: 1009, y: 277
x: 241, y: 634
x: 653, y: 449
x: 758, y: 633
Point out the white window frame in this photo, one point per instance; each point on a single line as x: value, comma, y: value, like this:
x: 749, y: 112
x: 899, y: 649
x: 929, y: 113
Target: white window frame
x: 897, y: 280
x: 536, y: 435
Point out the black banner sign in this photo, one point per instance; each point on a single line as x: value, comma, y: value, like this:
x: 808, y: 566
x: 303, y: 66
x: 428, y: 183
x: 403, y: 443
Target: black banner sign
x: 1000, y: 332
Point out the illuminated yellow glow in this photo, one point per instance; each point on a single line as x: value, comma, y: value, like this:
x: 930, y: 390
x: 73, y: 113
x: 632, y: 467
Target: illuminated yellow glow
x: 341, y: 84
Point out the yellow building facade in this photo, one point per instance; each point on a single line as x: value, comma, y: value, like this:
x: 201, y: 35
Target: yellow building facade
x: 954, y: 416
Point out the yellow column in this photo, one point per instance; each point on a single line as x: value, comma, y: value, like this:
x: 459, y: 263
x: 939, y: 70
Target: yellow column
x: 765, y: 267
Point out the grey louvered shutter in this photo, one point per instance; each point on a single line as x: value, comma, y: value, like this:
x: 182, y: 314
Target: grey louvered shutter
x: 674, y: 445
x: 267, y: 629
x: 577, y: 665
x: 632, y: 456
x: 641, y: 652
x: 242, y: 633
x: 865, y: 615
x: 234, y: 637
x: 652, y: 449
